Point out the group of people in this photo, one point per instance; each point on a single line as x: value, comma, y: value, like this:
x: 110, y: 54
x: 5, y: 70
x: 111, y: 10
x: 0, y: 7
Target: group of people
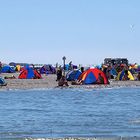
x: 112, y: 71
x: 62, y: 81
x: 61, y: 78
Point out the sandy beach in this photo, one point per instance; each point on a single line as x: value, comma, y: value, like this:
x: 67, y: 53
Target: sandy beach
x: 49, y: 81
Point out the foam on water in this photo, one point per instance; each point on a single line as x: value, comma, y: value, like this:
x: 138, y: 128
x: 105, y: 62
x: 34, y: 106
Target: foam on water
x: 94, y: 138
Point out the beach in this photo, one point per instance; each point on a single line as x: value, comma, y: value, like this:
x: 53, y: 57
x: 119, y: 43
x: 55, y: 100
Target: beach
x: 49, y: 81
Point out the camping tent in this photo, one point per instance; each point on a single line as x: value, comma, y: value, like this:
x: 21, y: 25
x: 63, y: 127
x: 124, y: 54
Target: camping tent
x: 73, y: 75
x: 7, y: 69
x: 29, y: 73
x: 47, y: 69
x: 122, y: 73
x: 91, y: 76
x: 2, y: 82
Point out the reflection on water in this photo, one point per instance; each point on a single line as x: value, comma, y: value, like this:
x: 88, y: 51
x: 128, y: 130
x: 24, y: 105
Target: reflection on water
x: 59, y: 113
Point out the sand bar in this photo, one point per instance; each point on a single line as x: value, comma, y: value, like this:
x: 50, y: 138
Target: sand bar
x: 49, y: 81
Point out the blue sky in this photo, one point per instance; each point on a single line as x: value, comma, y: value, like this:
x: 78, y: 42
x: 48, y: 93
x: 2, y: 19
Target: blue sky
x: 85, y: 31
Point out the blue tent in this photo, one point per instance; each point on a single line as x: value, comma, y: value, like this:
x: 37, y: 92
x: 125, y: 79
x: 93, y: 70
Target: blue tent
x: 7, y: 69
x: 47, y: 69
x: 2, y: 82
x: 29, y: 73
x: 73, y: 75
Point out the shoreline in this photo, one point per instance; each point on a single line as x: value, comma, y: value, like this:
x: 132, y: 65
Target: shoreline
x: 49, y: 81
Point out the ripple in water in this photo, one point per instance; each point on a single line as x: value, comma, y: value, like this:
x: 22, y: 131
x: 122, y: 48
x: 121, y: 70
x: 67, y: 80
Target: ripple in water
x: 59, y: 113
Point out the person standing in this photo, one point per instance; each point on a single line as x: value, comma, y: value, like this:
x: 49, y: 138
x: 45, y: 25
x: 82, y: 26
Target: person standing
x: 0, y: 66
x: 59, y: 73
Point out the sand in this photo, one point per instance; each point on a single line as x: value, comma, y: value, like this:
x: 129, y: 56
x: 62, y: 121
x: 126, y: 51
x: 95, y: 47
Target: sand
x: 49, y: 81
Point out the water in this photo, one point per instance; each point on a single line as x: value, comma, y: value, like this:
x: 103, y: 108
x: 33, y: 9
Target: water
x: 59, y: 113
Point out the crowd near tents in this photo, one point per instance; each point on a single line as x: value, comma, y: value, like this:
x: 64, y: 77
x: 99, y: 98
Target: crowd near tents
x: 97, y: 74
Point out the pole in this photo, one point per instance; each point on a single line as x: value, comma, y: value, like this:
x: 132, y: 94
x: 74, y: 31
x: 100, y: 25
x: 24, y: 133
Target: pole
x: 64, y: 58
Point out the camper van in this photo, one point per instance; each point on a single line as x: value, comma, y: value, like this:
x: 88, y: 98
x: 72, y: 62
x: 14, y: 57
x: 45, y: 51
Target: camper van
x: 113, y: 61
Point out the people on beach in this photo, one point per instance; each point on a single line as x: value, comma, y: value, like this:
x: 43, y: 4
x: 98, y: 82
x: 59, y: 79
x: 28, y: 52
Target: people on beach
x: 0, y: 66
x: 77, y: 82
x: 100, y: 79
x: 138, y: 76
x: 63, y: 81
x: 108, y: 72
x: 59, y: 73
x: 10, y: 77
x: 125, y: 77
x: 82, y: 69
x: 70, y: 65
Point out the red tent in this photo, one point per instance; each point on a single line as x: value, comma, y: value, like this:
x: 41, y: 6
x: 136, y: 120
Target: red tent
x: 29, y: 73
x: 91, y: 76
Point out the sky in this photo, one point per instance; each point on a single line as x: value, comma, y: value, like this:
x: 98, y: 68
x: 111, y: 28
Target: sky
x: 85, y: 31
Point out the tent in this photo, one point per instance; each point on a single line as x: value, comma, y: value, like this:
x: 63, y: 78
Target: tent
x: 73, y: 75
x: 122, y: 73
x: 7, y: 69
x: 91, y: 76
x: 29, y: 73
x: 70, y: 67
x: 2, y: 82
x: 47, y: 69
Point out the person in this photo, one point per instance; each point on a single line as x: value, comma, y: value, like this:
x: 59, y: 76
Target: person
x: 125, y: 77
x: 138, y: 76
x: 108, y: 72
x: 70, y: 65
x: 59, y: 74
x: 0, y: 66
x: 100, y: 79
x: 10, y: 77
x: 63, y: 81
x: 82, y: 69
x: 77, y: 82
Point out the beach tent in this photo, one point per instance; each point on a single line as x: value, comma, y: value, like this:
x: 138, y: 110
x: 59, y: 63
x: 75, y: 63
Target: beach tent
x: 7, y: 69
x: 12, y: 64
x: 74, y: 66
x: 122, y: 73
x: 137, y: 68
x: 73, y: 75
x: 2, y: 82
x: 99, y: 66
x: 91, y: 76
x: 29, y: 73
x: 47, y: 69
x: 68, y: 67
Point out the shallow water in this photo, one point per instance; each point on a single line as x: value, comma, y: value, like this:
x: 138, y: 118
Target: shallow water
x: 59, y: 113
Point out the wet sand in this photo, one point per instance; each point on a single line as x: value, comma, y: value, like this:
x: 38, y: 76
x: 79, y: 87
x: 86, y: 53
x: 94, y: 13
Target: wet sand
x: 49, y: 81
